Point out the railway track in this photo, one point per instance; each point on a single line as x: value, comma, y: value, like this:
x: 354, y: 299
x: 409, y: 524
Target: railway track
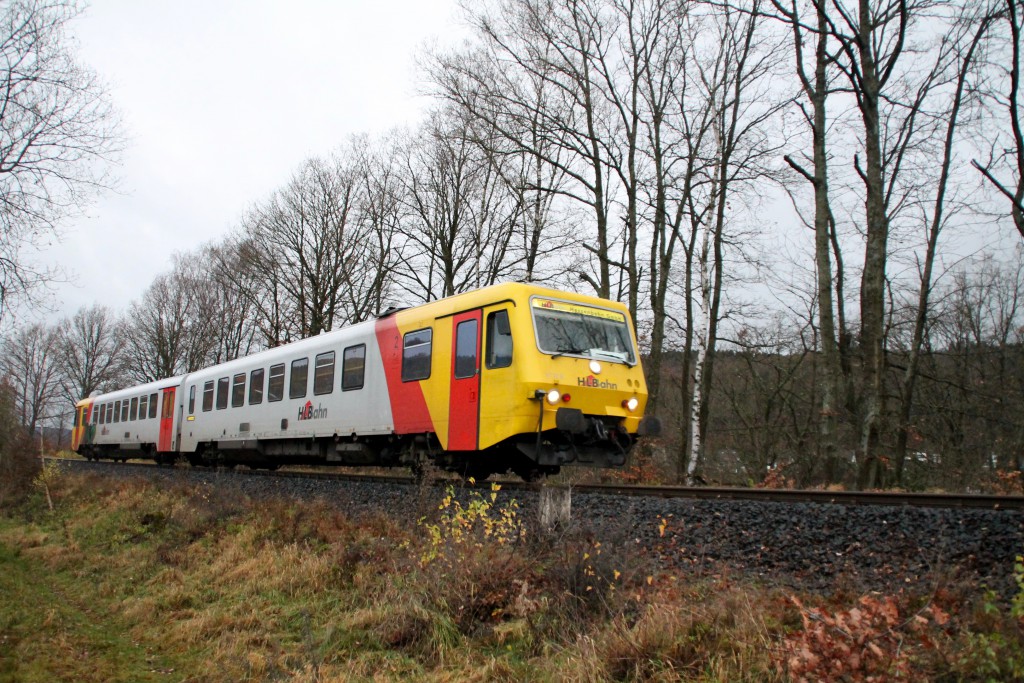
x: 869, y: 498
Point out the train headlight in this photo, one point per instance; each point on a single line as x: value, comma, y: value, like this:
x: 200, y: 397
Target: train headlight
x: 595, y: 367
x: 554, y: 396
x: 631, y: 404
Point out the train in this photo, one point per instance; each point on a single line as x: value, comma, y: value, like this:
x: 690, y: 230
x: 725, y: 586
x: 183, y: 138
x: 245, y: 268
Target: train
x: 508, y: 378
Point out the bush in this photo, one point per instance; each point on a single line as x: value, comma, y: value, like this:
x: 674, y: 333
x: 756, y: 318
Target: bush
x: 19, y: 465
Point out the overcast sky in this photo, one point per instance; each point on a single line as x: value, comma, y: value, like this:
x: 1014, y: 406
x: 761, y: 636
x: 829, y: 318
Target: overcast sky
x: 221, y: 101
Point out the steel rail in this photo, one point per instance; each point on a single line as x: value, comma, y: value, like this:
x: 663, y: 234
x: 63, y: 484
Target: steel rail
x: 878, y: 498
x: 888, y: 498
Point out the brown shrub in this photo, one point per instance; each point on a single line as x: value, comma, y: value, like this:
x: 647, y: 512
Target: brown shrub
x: 19, y: 462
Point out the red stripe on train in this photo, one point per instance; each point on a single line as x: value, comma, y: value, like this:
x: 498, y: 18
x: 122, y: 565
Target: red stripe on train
x: 408, y: 405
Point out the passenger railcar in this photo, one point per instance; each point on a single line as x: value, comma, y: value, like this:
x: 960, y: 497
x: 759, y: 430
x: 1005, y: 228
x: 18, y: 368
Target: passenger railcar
x: 512, y: 376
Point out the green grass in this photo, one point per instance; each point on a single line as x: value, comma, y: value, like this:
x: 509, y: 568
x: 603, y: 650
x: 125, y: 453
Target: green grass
x: 55, y: 626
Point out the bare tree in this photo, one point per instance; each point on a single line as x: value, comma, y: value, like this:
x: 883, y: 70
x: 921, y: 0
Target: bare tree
x: 229, y: 310
x: 735, y: 82
x: 537, y: 81
x: 959, y: 47
x: 59, y: 132
x: 309, y: 242
x: 255, y: 278
x: 1009, y: 158
x: 460, y: 215
x: 814, y: 78
x: 168, y: 332
x: 89, y: 351
x: 30, y: 362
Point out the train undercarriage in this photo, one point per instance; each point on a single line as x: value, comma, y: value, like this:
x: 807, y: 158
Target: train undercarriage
x: 578, y: 439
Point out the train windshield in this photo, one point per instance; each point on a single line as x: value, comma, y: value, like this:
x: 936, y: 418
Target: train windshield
x: 576, y: 330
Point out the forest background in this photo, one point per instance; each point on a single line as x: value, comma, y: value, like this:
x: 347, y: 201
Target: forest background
x: 812, y: 208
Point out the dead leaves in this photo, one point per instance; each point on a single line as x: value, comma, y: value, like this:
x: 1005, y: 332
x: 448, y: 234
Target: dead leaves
x: 865, y: 643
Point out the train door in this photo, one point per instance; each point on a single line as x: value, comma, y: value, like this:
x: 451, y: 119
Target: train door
x: 78, y: 430
x: 498, y: 381
x: 89, y: 433
x: 464, y: 400
x: 165, y: 442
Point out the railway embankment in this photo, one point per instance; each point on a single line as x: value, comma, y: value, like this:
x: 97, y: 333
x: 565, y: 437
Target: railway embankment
x: 179, y: 574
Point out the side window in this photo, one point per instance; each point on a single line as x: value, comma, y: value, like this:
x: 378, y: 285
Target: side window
x: 416, y: 355
x: 143, y: 406
x: 275, y: 389
x: 134, y: 412
x: 465, y: 349
x: 110, y: 413
x: 323, y: 374
x: 499, y: 340
x: 117, y: 411
x: 192, y: 400
x: 238, y: 390
x: 101, y: 414
x: 300, y: 373
x: 124, y: 410
x: 353, y: 367
x: 223, y: 384
x: 256, y: 387
x: 167, y: 406
x: 208, y: 396
x: 152, y: 405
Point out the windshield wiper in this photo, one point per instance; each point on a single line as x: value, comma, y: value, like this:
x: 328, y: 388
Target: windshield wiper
x: 620, y: 356
x: 566, y: 349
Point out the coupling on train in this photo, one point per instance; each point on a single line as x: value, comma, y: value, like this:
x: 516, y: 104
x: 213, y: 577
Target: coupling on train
x: 512, y: 377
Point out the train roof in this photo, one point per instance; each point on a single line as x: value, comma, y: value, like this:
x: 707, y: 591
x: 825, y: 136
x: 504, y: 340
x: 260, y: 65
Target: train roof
x: 132, y: 391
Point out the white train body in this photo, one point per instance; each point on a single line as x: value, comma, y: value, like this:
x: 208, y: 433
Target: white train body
x: 512, y: 376
x: 218, y: 406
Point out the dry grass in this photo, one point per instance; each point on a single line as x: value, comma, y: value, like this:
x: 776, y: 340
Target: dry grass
x: 126, y: 581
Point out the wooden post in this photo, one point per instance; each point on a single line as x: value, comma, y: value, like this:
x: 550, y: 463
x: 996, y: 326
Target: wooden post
x: 555, y: 507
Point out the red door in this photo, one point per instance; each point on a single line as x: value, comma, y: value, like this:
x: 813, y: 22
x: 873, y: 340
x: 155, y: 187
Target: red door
x: 464, y: 404
x: 166, y: 440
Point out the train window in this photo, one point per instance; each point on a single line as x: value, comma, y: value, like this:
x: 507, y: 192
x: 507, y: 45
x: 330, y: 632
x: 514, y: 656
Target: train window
x: 167, y: 408
x: 323, y: 374
x: 110, y: 413
x: 152, y: 405
x: 275, y: 387
x: 208, y: 396
x: 416, y: 355
x: 353, y: 367
x: 223, y: 385
x: 238, y: 390
x: 465, y: 349
x: 192, y: 399
x: 124, y: 410
x: 499, y: 340
x: 134, y: 412
x: 143, y: 406
x: 300, y: 375
x: 256, y: 387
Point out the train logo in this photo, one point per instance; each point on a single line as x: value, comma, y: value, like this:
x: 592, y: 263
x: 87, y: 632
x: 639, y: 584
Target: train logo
x: 591, y: 381
x: 308, y: 412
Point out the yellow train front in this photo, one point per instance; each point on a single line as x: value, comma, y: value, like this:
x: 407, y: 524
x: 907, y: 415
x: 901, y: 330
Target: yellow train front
x: 517, y: 377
